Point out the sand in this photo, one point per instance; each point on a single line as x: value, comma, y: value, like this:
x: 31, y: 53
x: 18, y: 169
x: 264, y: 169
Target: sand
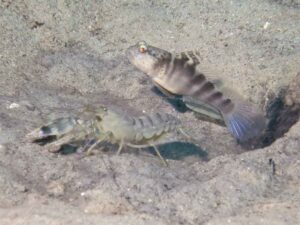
x: 57, y: 57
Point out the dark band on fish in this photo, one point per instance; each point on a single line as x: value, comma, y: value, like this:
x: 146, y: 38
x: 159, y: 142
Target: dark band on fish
x: 204, y: 89
x: 198, y: 79
x: 200, y: 86
x: 175, y: 64
x: 226, y: 105
x: 163, y: 60
x: 214, y: 96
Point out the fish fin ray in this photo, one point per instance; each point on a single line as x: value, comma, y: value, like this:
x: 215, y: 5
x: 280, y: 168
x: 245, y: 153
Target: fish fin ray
x: 245, y: 121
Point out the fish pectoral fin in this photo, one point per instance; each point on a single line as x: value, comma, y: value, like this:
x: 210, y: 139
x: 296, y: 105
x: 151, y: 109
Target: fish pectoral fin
x: 204, y: 110
x: 195, y: 104
x: 164, y: 91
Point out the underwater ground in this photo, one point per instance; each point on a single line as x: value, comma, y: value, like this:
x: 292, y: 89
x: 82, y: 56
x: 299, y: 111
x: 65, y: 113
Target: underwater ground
x: 57, y: 57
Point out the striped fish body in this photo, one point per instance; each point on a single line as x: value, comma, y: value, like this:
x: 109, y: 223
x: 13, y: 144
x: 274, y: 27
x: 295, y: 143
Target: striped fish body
x: 180, y: 74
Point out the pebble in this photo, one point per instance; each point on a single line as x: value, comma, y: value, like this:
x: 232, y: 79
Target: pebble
x: 267, y: 24
x: 13, y: 106
x: 56, y: 188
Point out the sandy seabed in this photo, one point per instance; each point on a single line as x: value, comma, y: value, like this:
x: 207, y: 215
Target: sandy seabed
x: 58, y: 56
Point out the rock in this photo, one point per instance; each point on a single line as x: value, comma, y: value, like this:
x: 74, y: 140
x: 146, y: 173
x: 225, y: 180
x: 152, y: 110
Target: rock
x: 101, y: 202
x: 56, y: 188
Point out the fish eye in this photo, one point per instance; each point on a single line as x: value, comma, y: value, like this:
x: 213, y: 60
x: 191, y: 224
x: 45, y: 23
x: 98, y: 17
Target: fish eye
x: 142, y: 48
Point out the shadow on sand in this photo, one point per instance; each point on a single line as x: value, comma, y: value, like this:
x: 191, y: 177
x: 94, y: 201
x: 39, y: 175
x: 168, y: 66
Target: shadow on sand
x: 179, y: 150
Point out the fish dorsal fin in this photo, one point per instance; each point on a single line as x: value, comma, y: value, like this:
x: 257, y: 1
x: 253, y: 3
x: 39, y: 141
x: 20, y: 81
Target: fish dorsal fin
x: 194, y: 58
x: 211, y: 73
x: 191, y: 57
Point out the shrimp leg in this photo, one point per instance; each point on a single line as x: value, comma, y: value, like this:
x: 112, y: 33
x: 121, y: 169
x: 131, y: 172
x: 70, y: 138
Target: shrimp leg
x: 103, y: 138
x: 153, y: 146
x: 160, y: 156
x: 120, y: 147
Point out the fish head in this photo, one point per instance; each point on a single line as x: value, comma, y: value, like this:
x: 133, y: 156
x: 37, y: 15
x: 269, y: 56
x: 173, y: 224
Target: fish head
x: 147, y: 58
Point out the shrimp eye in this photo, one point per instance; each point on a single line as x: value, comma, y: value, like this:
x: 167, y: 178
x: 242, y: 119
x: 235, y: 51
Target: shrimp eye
x: 98, y: 118
x: 143, y: 48
x: 102, y: 109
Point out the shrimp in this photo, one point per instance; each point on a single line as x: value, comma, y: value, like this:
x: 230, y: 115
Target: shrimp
x: 111, y: 126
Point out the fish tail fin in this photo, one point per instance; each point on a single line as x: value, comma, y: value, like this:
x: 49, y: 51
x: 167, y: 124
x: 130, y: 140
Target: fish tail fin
x: 244, y: 121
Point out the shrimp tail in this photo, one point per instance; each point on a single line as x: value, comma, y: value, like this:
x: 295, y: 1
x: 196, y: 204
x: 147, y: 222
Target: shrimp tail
x: 244, y: 121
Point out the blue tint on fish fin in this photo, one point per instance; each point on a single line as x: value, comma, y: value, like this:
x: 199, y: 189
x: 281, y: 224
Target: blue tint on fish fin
x: 245, y: 122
